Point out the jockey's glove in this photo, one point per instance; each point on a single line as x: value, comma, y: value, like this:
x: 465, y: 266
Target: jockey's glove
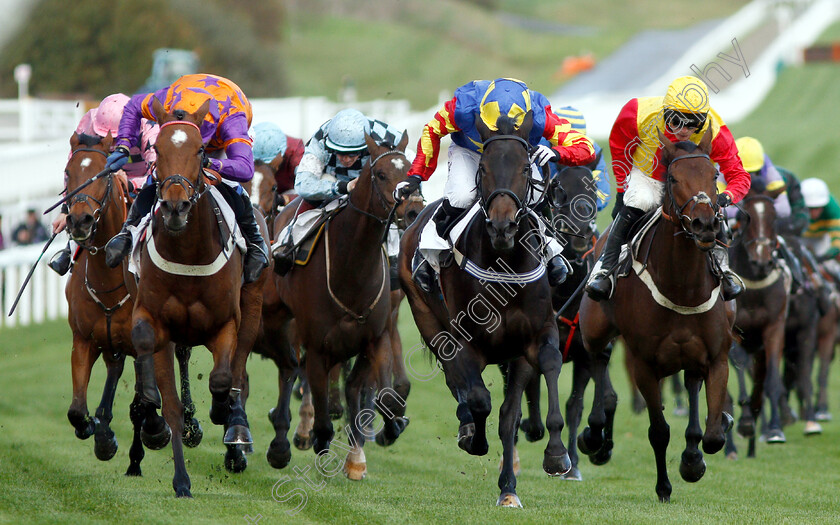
x: 542, y: 154
x: 341, y: 187
x: 407, y: 187
x: 619, y: 203
x: 724, y: 199
x: 117, y: 159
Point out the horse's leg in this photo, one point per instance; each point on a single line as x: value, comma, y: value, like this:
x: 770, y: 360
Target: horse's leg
x: 592, y: 439
x: 105, y: 445
x: 402, y: 384
x: 692, y: 466
x: 317, y: 376
x: 137, y: 413
x: 279, y: 451
x: 773, y: 337
x: 147, y: 338
x: 638, y: 405
x: 306, y: 415
x: 659, y: 433
x: 336, y: 409
x: 389, y: 402
x: 610, y: 401
x: 804, y: 386
x: 741, y: 360
x: 718, y: 422
x: 825, y: 352
x: 729, y: 448
x: 556, y: 460
x: 173, y: 412
x: 574, y: 408
x: 757, y: 396
x: 677, y: 389
x: 519, y: 374
x: 532, y: 426
x: 81, y: 362
x: 192, y: 428
x: 355, y: 466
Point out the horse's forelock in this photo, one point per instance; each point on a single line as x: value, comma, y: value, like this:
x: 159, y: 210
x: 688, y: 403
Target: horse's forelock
x: 506, y: 125
x: 686, y: 145
x: 89, y: 140
x: 179, y: 114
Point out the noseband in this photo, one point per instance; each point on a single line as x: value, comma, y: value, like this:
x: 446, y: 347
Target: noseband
x: 194, y: 190
x: 522, y: 209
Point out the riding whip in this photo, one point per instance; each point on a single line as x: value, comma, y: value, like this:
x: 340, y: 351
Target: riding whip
x: 29, y: 276
x: 71, y: 194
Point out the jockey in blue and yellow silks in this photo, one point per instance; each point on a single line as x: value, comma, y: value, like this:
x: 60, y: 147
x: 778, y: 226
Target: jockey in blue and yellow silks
x: 485, y: 100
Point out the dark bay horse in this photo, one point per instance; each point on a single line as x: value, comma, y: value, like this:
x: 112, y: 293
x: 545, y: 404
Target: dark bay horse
x: 100, y: 307
x: 342, y: 309
x: 190, y: 292
x: 501, y: 317
x: 762, y: 311
x: 672, y: 320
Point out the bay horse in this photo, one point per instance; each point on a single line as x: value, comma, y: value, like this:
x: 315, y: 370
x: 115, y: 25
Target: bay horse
x: 674, y: 319
x: 99, y: 308
x: 762, y: 311
x: 190, y: 292
x: 342, y: 310
x: 500, y: 316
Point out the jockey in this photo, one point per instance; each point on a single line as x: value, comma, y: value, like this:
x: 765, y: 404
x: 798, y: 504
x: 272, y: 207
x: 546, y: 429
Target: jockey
x: 99, y: 122
x: 598, y: 166
x: 281, y: 153
x: 485, y: 100
x: 683, y: 114
x: 228, y: 147
x: 824, y: 227
x: 799, y: 216
x: 332, y: 162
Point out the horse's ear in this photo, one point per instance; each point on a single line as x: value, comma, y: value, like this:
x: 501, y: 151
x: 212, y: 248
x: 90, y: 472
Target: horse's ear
x: 159, y: 112
x: 668, y: 148
x: 404, y: 142
x: 483, y: 131
x: 107, y: 140
x: 706, y: 142
x: 527, y: 123
x: 370, y: 143
x: 198, y: 116
x: 74, y: 141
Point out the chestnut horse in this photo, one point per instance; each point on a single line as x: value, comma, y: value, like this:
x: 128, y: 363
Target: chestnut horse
x: 671, y: 316
x: 342, y: 310
x: 500, y: 316
x: 190, y: 292
x: 100, y: 308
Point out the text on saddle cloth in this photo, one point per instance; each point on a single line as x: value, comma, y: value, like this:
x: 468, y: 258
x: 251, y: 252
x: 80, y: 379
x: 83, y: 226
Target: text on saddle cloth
x: 142, y: 232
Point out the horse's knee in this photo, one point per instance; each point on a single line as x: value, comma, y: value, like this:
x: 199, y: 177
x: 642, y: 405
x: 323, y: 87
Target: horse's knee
x: 143, y: 337
x: 478, y: 400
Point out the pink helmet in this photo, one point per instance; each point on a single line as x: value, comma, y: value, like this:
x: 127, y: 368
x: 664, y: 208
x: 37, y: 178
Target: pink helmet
x: 85, y: 125
x: 108, y: 115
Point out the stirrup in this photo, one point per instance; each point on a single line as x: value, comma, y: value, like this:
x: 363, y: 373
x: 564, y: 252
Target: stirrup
x: 423, y: 274
x: 255, y: 262
x: 118, y: 248
x: 284, y: 259
x: 601, y: 285
x: 731, y: 285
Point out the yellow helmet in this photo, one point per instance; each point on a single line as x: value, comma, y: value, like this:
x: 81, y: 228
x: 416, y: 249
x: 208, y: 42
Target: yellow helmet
x: 688, y: 95
x: 751, y: 152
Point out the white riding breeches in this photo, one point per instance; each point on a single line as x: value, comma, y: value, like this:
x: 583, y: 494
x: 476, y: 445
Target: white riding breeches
x: 643, y: 192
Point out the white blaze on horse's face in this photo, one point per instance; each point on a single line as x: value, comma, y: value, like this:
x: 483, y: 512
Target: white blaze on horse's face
x: 85, y: 163
x: 178, y: 138
x: 398, y: 163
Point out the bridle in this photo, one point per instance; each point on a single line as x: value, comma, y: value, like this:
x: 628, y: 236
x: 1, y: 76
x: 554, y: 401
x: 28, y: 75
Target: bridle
x: 522, y: 208
x: 770, y: 243
x: 385, y: 202
x: 194, y: 190
x: 86, y: 198
x: 679, y: 216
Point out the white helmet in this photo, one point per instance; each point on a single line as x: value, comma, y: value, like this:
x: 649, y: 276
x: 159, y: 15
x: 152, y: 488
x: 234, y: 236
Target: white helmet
x: 815, y: 192
x: 346, y: 131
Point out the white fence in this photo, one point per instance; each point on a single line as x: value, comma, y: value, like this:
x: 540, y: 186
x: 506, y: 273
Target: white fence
x: 43, y: 298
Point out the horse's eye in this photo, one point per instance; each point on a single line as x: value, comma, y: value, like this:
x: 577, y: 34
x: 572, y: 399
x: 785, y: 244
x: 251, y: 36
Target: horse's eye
x: 380, y: 175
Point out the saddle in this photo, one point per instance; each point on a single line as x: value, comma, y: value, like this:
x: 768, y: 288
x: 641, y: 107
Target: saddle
x: 307, y: 226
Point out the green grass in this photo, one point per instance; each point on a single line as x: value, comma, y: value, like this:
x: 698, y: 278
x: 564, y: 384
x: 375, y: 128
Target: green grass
x: 47, y: 475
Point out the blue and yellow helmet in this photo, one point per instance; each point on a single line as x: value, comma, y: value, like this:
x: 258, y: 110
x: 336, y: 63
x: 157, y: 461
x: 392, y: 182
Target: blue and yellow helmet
x: 505, y: 96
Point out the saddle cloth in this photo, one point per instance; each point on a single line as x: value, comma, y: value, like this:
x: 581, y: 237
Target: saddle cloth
x: 140, y: 232
x: 641, y: 229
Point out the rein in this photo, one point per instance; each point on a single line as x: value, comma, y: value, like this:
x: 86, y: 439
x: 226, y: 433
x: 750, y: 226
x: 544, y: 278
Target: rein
x: 383, y: 200
x: 84, y: 198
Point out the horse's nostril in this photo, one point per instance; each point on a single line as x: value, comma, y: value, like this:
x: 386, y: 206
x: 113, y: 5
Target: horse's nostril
x: 86, y: 219
x: 183, y: 207
x: 696, y: 225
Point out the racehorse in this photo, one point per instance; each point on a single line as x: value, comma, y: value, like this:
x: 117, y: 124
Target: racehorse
x: 342, y: 309
x: 516, y: 321
x: 671, y: 315
x: 190, y: 292
x: 100, y: 308
x: 762, y: 310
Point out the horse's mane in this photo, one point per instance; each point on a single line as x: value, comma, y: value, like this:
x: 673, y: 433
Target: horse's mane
x: 89, y: 140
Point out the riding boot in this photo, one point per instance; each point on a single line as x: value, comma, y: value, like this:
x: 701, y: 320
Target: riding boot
x: 600, y: 283
x: 793, y: 264
x: 557, y: 270
x: 730, y: 284
x: 445, y: 218
x: 60, y: 262
x: 422, y: 272
x: 256, y: 256
x: 120, y: 245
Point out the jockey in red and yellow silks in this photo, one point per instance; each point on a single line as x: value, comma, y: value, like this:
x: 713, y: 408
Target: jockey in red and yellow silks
x: 485, y: 100
x: 683, y: 114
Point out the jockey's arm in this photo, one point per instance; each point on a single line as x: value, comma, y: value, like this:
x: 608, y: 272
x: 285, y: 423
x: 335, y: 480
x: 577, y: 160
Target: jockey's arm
x: 310, y: 182
x: 573, y: 147
x: 138, y: 107
x: 601, y: 178
x: 725, y: 153
x: 624, y: 137
x: 428, y: 147
x: 239, y: 164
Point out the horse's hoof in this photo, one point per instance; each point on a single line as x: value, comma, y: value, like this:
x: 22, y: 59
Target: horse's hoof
x: 664, y: 498
x: 556, y: 465
x: 509, y: 500
x: 775, y: 437
x: 588, y: 443
x: 692, y: 471
x: 398, y: 426
x: 823, y: 416
x: 235, y: 460
x: 732, y: 456
x: 603, y: 456
x: 812, y: 428
x: 355, y: 466
x: 134, y: 471
x: 746, y: 428
x: 465, y: 434
x: 573, y: 475
x: 88, y: 430
x: 336, y: 410
x: 193, y: 433
x: 238, y: 435
x: 156, y: 441
x: 302, y: 442
x: 105, y: 445
x: 278, y: 455
x: 726, y: 422
x: 183, y: 492
x: 533, y: 431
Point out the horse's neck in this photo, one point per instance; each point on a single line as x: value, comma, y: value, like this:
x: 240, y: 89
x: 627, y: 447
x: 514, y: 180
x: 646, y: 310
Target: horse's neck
x: 357, y: 238
x: 681, y: 269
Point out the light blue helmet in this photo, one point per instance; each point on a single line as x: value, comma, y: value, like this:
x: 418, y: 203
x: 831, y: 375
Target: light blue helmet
x: 574, y: 117
x: 346, y: 131
x: 269, y: 141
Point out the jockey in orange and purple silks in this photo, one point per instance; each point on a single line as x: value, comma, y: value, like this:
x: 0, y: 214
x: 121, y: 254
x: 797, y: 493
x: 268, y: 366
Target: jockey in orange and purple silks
x: 486, y: 100
x: 228, y: 147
